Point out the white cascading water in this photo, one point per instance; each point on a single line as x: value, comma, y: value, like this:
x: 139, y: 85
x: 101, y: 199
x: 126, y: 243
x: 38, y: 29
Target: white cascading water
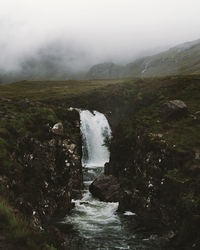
x: 96, y: 225
x: 94, y: 129
x: 91, y: 216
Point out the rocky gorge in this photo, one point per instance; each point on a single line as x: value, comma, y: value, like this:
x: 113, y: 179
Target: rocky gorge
x: 154, y: 156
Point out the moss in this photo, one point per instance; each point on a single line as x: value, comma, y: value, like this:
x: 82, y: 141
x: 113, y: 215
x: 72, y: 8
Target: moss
x: 13, y: 223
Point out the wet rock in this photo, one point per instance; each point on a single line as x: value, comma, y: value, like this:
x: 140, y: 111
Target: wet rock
x: 106, y: 168
x: 58, y: 128
x: 173, y: 109
x: 106, y: 188
x: 84, y: 203
x: 76, y: 194
x: 124, y: 202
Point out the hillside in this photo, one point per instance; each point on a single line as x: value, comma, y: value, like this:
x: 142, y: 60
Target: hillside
x: 180, y: 60
x: 49, y: 64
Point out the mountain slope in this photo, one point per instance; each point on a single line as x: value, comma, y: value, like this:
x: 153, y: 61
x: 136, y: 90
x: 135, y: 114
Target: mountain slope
x: 182, y: 59
x: 56, y: 62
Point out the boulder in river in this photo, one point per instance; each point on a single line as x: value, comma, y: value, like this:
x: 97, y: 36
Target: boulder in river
x: 106, y: 188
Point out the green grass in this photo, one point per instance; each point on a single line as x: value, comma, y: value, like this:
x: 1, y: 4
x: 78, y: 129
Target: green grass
x: 17, y: 228
x: 140, y: 98
x: 170, y: 62
x: 52, y: 90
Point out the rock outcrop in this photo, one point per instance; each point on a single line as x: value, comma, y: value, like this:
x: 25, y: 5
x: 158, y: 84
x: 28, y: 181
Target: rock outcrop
x: 106, y: 188
x: 174, y: 109
x: 58, y: 128
x: 48, y: 171
x: 161, y: 187
x: 51, y: 175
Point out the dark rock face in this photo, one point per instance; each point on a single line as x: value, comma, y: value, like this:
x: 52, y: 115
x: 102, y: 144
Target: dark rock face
x: 159, y: 185
x: 107, y: 188
x: 51, y: 174
x: 173, y: 109
x: 60, y: 173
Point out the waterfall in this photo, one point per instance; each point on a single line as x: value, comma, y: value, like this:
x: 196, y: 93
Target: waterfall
x: 95, y: 129
x: 95, y: 224
x: 89, y: 213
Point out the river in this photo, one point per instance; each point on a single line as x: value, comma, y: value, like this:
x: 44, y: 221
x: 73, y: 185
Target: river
x: 96, y: 224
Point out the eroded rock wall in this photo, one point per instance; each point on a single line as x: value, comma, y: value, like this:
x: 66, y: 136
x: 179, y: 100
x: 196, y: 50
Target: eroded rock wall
x: 161, y: 185
x: 47, y: 171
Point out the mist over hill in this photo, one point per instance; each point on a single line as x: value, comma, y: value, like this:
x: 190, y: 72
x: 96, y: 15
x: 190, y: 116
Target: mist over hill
x: 54, y: 61
x: 63, y: 40
x: 178, y: 60
x: 60, y: 61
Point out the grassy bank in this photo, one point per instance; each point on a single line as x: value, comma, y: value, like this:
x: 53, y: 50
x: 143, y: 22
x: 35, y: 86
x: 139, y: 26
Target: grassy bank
x: 17, y: 229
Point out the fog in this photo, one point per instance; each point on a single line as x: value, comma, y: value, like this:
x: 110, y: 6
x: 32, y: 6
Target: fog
x: 72, y: 35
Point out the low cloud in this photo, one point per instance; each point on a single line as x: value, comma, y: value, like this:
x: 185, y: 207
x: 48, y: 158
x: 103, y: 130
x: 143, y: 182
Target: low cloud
x: 64, y: 35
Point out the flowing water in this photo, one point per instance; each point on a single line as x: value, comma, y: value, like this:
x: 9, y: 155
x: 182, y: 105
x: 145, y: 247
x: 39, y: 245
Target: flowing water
x: 96, y: 224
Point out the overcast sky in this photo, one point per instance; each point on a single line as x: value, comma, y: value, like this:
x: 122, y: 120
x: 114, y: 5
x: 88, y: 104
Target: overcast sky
x: 102, y: 29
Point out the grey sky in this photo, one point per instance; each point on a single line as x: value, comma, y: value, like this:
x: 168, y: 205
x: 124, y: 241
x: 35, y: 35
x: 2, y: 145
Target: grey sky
x: 102, y: 29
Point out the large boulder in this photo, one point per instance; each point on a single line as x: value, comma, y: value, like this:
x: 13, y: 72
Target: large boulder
x: 106, y: 188
x: 174, y: 109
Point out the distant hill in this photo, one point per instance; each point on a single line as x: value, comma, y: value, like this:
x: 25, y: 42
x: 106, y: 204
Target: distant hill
x: 182, y: 59
x: 59, y: 63
x: 55, y: 61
